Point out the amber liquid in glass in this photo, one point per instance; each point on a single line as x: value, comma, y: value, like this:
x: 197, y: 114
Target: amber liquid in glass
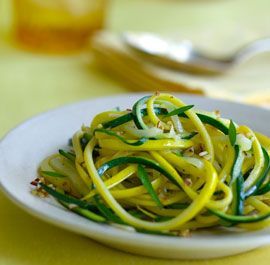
x: 57, y: 26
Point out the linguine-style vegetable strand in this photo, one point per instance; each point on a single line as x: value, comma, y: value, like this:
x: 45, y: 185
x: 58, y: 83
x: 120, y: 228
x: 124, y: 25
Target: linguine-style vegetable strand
x: 165, y: 167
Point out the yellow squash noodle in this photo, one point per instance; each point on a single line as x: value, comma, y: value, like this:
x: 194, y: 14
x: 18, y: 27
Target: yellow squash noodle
x: 164, y: 166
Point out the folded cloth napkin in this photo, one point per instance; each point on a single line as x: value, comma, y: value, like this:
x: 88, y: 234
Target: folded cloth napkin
x: 249, y: 82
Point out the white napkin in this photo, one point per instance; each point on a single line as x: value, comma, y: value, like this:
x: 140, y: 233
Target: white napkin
x: 249, y: 82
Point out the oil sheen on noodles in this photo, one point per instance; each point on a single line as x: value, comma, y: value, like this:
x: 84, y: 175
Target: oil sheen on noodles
x: 163, y: 167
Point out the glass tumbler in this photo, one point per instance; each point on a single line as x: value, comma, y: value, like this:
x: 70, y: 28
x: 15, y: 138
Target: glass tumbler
x: 57, y: 26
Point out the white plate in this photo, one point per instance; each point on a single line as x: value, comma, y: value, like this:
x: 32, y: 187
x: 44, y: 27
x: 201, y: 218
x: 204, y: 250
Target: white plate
x: 25, y: 146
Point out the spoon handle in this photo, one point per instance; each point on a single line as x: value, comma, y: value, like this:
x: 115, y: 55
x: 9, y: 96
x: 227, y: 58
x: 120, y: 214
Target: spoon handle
x: 251, y: 49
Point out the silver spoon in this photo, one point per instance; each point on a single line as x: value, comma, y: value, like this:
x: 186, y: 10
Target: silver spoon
x: 183, y: 56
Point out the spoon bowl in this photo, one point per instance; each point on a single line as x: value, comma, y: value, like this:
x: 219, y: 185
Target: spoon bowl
x: 185, y: 57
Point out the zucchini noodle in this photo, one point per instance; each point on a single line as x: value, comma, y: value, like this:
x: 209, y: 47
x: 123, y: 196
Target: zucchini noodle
x: 163, y: 167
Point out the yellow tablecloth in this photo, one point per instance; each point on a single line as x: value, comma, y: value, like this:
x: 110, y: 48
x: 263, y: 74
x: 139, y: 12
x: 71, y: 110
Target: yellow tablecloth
x: 30, y: 84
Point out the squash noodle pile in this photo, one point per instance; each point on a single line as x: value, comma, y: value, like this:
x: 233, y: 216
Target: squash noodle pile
x: 163, y: 167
